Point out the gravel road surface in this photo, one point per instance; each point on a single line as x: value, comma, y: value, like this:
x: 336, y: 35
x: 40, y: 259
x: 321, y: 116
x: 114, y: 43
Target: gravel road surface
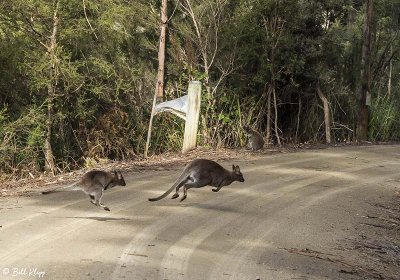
x: 303, y: 215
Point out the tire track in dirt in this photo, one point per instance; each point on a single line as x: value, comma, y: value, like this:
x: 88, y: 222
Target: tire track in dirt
x: 52, y: 209
x: 57, y: 231
x: 136, y: 246
x: 156, y: 231
x: 180, y: 251
x: 237, y: 259
x: 189, y: 240
x: 151, y: 233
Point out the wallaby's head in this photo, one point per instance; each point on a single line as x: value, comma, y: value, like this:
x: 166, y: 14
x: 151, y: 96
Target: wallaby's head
x: 247, y: 128
x: 237, y: 175
x: 119, y: 179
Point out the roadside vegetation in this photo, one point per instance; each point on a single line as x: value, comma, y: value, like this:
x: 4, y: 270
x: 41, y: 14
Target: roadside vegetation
x: 77, y: 77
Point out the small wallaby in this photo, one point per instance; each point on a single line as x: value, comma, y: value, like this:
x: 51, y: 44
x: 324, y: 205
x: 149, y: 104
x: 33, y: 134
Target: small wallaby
x: 200, y: 173
x: 94, y: 183
x: 255, y: 140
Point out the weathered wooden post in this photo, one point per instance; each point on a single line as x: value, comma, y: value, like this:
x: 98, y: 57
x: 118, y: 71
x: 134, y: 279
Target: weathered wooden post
x: 192, y: 116
x: 186, y: 107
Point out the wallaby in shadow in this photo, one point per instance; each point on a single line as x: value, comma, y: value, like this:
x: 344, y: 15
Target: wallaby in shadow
x: 94, y: 183
x: 255, y: 139
x: 200, y: 173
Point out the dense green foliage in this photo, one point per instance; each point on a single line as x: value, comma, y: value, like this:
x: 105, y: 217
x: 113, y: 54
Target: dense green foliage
x: 250, y: 55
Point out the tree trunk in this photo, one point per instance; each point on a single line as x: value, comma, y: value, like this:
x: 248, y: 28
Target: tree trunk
x: 326, y: 115
x: 51, y: 88
x: 207, y: 133
x: 161, y: 51
x: 298, y: 121
x: 364, y: 89
x: 278, y: 139
x: 159, y: 91
x: 273, y: 28
x: 268, y: 116
x: 273, y: 85
x: 389, y: 91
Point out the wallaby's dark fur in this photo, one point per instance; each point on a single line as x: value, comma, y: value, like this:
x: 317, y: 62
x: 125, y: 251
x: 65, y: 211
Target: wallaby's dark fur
x: 200, y: 173
x: 255, y: 139
x: 94, y: 183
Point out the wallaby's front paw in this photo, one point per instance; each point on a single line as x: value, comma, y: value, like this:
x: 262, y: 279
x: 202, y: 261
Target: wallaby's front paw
x: 106, y: 208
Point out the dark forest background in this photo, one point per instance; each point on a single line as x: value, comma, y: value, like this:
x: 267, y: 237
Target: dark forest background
x: 77, y: 77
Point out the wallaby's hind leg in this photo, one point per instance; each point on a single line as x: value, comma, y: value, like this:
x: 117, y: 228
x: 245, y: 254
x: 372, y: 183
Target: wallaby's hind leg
x: 194, y: 183
x: 176, y: 194
x: 184, y: 193
x: 97, y: 196
x: 217, y: 189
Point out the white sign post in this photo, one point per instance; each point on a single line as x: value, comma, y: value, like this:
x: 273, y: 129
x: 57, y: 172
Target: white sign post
x: 186, y: 107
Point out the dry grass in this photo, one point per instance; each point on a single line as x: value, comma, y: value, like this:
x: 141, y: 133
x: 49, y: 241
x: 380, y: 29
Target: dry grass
x: 13, y: 187
x: 37, y: 183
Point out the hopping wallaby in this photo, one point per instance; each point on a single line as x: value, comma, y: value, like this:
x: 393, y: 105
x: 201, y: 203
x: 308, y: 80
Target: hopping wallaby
x: 94, y: 183
x: 255, y: 140
x: 200, y: 173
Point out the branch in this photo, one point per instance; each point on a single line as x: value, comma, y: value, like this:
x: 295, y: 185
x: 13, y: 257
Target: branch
x: 189, y: 10
x: 43, y: 44
x: 382, y: 64
x: 173, y: 12
x: 30, y: 24
x: 226, y: 72
x: 34, y: 31
x: 91, y: 28
x: 216, y: 15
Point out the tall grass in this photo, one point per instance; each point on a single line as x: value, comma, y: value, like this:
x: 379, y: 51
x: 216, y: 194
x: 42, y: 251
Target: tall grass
x: 384, y: 122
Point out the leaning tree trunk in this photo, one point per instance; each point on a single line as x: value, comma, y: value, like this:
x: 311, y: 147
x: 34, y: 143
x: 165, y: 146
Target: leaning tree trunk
x: 298, y: 121
x: 389, y: 84
x: 51, y: 87
x: 273, y: 89
x: 161, y: 51
x: 278, y: 139
x: 327, y: 120
x: 364, y: 90
x: 268, y: 115
x: 159, y: 91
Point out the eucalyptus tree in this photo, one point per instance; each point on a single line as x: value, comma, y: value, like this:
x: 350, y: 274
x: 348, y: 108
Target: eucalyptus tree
x: 86, y: 67
x: 199, y: 44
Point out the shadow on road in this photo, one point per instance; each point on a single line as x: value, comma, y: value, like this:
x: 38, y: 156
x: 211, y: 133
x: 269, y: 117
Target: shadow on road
x: 101, y: 219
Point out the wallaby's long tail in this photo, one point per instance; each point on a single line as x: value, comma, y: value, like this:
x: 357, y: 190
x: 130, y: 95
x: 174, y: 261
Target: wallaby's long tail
x: 60, y: 188
x: 180, y: 181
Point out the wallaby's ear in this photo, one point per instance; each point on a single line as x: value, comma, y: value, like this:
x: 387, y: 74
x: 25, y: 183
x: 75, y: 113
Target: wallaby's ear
x: 237, y: 168
x: 233, y: 167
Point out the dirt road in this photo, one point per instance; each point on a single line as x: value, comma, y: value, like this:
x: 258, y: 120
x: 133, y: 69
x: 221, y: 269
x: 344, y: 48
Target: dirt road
x: 304, y: 215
